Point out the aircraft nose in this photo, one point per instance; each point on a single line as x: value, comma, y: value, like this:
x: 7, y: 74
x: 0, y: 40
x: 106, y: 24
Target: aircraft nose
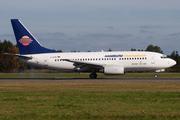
x: 172, y: 62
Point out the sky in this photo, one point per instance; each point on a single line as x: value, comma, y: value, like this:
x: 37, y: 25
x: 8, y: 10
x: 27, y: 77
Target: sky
x: 96, y: 25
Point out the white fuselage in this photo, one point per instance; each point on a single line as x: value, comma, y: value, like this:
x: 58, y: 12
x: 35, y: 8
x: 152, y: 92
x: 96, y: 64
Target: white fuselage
x: 130, y: 60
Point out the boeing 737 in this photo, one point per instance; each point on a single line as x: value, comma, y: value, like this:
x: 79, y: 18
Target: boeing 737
x: 109, y: 63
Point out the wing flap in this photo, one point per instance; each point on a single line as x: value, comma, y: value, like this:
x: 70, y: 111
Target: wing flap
x: 85, y: 66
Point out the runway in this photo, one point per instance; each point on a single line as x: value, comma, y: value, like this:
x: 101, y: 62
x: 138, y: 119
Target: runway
x: 89, y: 80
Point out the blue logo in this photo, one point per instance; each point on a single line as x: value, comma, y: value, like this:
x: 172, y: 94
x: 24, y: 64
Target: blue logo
x: 113, y: 55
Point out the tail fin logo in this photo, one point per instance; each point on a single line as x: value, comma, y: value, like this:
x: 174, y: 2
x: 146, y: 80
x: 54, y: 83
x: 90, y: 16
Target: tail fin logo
x: 25, y: 40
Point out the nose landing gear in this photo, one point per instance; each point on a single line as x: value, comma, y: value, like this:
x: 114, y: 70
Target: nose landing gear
x: 155, y: 76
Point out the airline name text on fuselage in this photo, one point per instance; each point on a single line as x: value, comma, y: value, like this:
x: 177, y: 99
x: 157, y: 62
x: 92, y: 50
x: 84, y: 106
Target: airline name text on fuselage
x: 113, y: 55
x: 125, y: 55
x: 134, y: 55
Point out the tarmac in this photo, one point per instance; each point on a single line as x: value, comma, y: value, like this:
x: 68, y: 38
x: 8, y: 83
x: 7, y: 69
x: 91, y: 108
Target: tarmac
x: 89, y: 80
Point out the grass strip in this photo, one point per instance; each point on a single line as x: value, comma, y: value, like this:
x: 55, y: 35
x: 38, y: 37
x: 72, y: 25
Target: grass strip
x: 90, y: 100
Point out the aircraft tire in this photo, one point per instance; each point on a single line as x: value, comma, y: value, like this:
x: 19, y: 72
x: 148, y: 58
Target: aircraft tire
x: 93, y: 75
x: 156, y: 76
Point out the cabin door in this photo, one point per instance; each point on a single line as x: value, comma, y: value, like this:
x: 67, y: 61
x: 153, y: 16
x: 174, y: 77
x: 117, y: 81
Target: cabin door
x: 152, y: 59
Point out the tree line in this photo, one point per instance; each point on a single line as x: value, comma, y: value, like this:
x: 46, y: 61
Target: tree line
x: 11, y: 64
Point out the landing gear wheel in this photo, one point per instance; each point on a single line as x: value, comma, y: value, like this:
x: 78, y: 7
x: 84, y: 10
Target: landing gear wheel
x: 93, y: 75
x: 156, y: 76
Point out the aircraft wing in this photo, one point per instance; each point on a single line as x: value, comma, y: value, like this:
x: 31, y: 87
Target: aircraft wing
x: 18, y: 55
x: 85, y: 66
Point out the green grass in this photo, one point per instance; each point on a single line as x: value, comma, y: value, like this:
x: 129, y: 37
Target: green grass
x: 90, y: 100
x: 86, y: 75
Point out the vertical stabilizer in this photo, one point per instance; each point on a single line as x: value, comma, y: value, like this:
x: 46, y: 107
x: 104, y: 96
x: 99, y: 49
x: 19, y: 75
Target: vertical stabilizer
x: 26, y: 42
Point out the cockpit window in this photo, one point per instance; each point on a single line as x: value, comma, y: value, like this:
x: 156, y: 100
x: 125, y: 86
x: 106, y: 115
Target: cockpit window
x: 164, y: 56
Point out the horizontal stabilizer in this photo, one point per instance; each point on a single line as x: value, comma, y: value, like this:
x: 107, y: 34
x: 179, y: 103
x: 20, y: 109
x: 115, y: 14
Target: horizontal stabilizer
x: 18, y: 55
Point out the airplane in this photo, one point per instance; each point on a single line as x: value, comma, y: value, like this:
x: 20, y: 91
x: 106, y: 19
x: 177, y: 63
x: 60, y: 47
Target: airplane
x: 109, y: 63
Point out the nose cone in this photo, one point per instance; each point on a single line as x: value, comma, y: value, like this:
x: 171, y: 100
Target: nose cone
x: 172, y: 62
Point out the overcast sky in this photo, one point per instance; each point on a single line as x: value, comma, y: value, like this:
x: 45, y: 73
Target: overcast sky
x: 96, y: 25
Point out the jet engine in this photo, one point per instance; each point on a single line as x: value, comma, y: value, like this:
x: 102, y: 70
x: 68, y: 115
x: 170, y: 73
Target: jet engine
x: 114, y: 70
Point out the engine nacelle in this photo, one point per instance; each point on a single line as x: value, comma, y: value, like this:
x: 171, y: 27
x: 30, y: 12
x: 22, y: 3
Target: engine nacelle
x: 114, y: 70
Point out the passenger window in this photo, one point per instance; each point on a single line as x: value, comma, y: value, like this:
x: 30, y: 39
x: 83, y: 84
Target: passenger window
x: 114, y: 58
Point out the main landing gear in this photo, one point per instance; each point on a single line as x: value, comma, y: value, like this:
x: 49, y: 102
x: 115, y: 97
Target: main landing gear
x: 93, y: 75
